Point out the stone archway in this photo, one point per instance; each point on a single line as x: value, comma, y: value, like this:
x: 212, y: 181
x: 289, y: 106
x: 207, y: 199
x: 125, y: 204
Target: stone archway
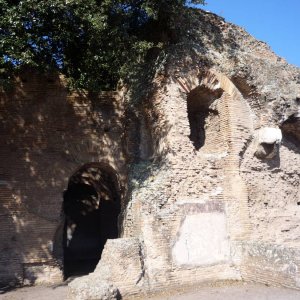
x: 91, y: 207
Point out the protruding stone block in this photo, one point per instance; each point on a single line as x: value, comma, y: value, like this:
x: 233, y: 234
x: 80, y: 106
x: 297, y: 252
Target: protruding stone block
x: 267, y: 141
x: 120, y: 264
x: 84, y: 289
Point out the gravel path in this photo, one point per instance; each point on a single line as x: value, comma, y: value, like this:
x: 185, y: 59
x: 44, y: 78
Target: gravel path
x: 241, y: 291
x: 225, y: 292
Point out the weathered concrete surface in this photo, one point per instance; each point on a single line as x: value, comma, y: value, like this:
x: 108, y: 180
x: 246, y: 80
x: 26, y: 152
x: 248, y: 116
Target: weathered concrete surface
x: 202, y: 240
x: 269, y: 263
x: 121, y: 263
x: 97, y: 289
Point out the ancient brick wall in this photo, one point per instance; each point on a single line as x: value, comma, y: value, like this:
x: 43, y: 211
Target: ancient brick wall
x: 201, y: 215
x: 218, y: 200
x: 189, y: 210
x: 214, y: 182
x: 46, y: 135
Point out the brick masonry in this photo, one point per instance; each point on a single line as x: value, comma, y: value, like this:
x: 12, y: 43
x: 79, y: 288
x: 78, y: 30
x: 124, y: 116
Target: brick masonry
x: 184, y: 196
x: 46, y: 135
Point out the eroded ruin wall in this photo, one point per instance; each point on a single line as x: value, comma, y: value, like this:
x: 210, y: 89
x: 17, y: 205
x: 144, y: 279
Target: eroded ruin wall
x: 214, y: 175
x: 197, y: 204
x: 224, y: 141
x: 192, y: 208
x: 220, y: 207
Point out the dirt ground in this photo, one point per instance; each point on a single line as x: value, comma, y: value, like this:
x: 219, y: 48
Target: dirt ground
x: 236, y: 291
x: 239, y: 291
x: 36, y: 293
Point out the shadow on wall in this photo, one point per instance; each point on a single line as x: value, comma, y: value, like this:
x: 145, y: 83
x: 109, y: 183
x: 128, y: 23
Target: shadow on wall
x: 46, y: 134
x: 10, y: 267
x: 139, y: 141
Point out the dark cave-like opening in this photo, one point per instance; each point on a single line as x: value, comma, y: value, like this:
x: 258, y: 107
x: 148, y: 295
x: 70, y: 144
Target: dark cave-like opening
x: 197, y: 126
x: 91, y: 207
x: 198, y: 109
x: 291, y: 130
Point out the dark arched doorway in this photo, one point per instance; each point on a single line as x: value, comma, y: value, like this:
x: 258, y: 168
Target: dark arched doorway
x: 91, y: 207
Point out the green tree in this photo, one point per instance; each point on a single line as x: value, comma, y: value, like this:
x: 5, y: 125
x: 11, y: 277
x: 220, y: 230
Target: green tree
x: 93, y: 42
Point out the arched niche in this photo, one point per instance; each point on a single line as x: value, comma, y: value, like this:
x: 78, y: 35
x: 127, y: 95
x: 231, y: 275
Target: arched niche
x: 202, y: 113
x: 91, y: 207
x: 210, y: 96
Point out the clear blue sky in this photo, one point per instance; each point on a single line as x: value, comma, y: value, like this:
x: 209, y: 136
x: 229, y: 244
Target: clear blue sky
x: 276, y: 22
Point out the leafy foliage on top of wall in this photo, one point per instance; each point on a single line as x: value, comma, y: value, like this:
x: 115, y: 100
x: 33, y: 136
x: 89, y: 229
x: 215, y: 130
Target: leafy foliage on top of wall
x: 93, y: 43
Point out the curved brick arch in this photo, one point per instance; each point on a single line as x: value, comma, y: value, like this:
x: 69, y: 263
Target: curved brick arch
x: 211, y: 79
x: 240, y: 124
x: 101, y: 165
x: 237, y: 129
x: 88, y: 154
